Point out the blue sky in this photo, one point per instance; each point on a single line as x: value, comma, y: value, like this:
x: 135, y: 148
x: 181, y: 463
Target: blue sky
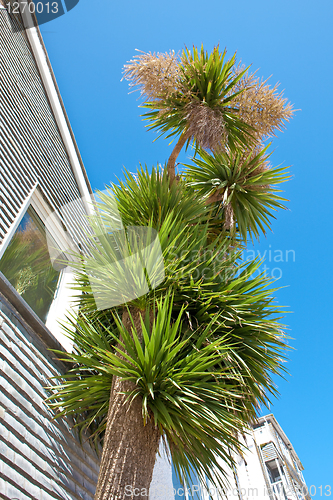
x: 291, y: 40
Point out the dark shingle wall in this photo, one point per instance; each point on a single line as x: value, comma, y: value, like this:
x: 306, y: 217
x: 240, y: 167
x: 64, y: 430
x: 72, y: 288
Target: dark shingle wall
x: 31, y: 148
x: 39, y: 458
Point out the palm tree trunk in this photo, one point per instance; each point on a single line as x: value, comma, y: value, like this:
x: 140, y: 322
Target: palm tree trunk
x: 229, y: 216
x: 130, y: 448
x: 174, y: 155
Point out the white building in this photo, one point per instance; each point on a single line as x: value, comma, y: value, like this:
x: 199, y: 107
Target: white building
x: 268, y: 470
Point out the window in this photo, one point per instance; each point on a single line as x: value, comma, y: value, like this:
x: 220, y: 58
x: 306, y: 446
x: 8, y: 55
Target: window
x: 40, y: 278
x: 27, y: 266
x: 273, y: 471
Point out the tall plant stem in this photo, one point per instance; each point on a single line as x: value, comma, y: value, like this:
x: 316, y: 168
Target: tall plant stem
x: 213, y: 198
x: 229, y: 216
x: 130, y: 447
x: 174, y: 155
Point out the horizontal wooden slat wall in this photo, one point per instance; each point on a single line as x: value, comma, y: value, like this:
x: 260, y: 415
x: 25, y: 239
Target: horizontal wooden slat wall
x: 40, y: 458
x: 31, y: 147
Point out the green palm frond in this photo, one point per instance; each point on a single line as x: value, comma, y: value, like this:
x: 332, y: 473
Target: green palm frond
x: 146, y: 198
x: 248, y: 317
x: 155, y: 263
x: 204, y: 90
x: 202, y: 370
x: 244, y: 185
x: 182, y: 379
x: 154, y: 216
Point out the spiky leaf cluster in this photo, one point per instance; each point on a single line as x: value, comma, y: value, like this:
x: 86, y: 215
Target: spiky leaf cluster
x: 205, y: 365
x: 242, y: 183
x: 207, y: 97
x: 198, y: 385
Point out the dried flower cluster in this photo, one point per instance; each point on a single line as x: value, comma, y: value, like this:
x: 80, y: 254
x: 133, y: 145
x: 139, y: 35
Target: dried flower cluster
x: 206, y: 125
x: 155, y: 75
x: 262, y: 107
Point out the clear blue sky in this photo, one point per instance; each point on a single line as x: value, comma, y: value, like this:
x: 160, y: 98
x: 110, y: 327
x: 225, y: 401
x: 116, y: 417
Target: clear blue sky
x: 289, y: 39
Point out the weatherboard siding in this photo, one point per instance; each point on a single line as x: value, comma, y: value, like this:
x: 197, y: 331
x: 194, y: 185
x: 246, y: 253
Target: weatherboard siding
x: 40, y: 458
x: 31, y: 148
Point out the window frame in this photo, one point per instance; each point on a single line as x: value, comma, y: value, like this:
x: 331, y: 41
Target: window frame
x: 63, y: 299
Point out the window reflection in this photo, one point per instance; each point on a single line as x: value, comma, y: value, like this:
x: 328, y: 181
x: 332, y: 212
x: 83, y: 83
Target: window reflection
x: 27, y: 266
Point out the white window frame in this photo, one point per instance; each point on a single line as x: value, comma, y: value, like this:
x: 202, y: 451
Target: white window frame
x: 63, y: 300
x: 11, y: 231
x: 63, y: 303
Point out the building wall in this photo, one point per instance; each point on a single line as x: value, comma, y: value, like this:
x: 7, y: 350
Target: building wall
x: 267, y: 444
x: 32, y: 152
x: 264, y: 444
x: 40, y: 458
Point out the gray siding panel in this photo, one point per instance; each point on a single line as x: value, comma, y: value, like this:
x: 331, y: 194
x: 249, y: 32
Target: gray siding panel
x: 31, y: 147
x: 40, y: 458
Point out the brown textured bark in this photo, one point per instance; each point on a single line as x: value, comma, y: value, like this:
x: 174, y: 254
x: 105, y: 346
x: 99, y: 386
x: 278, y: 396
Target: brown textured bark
x: 214, y: 198
x: 229, y: 218
x: 174, y: 155
x: 229, y: 221
x: 130, y: 448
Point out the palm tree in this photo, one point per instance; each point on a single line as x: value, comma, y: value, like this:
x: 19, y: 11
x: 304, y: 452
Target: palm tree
x: 191, y: 359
